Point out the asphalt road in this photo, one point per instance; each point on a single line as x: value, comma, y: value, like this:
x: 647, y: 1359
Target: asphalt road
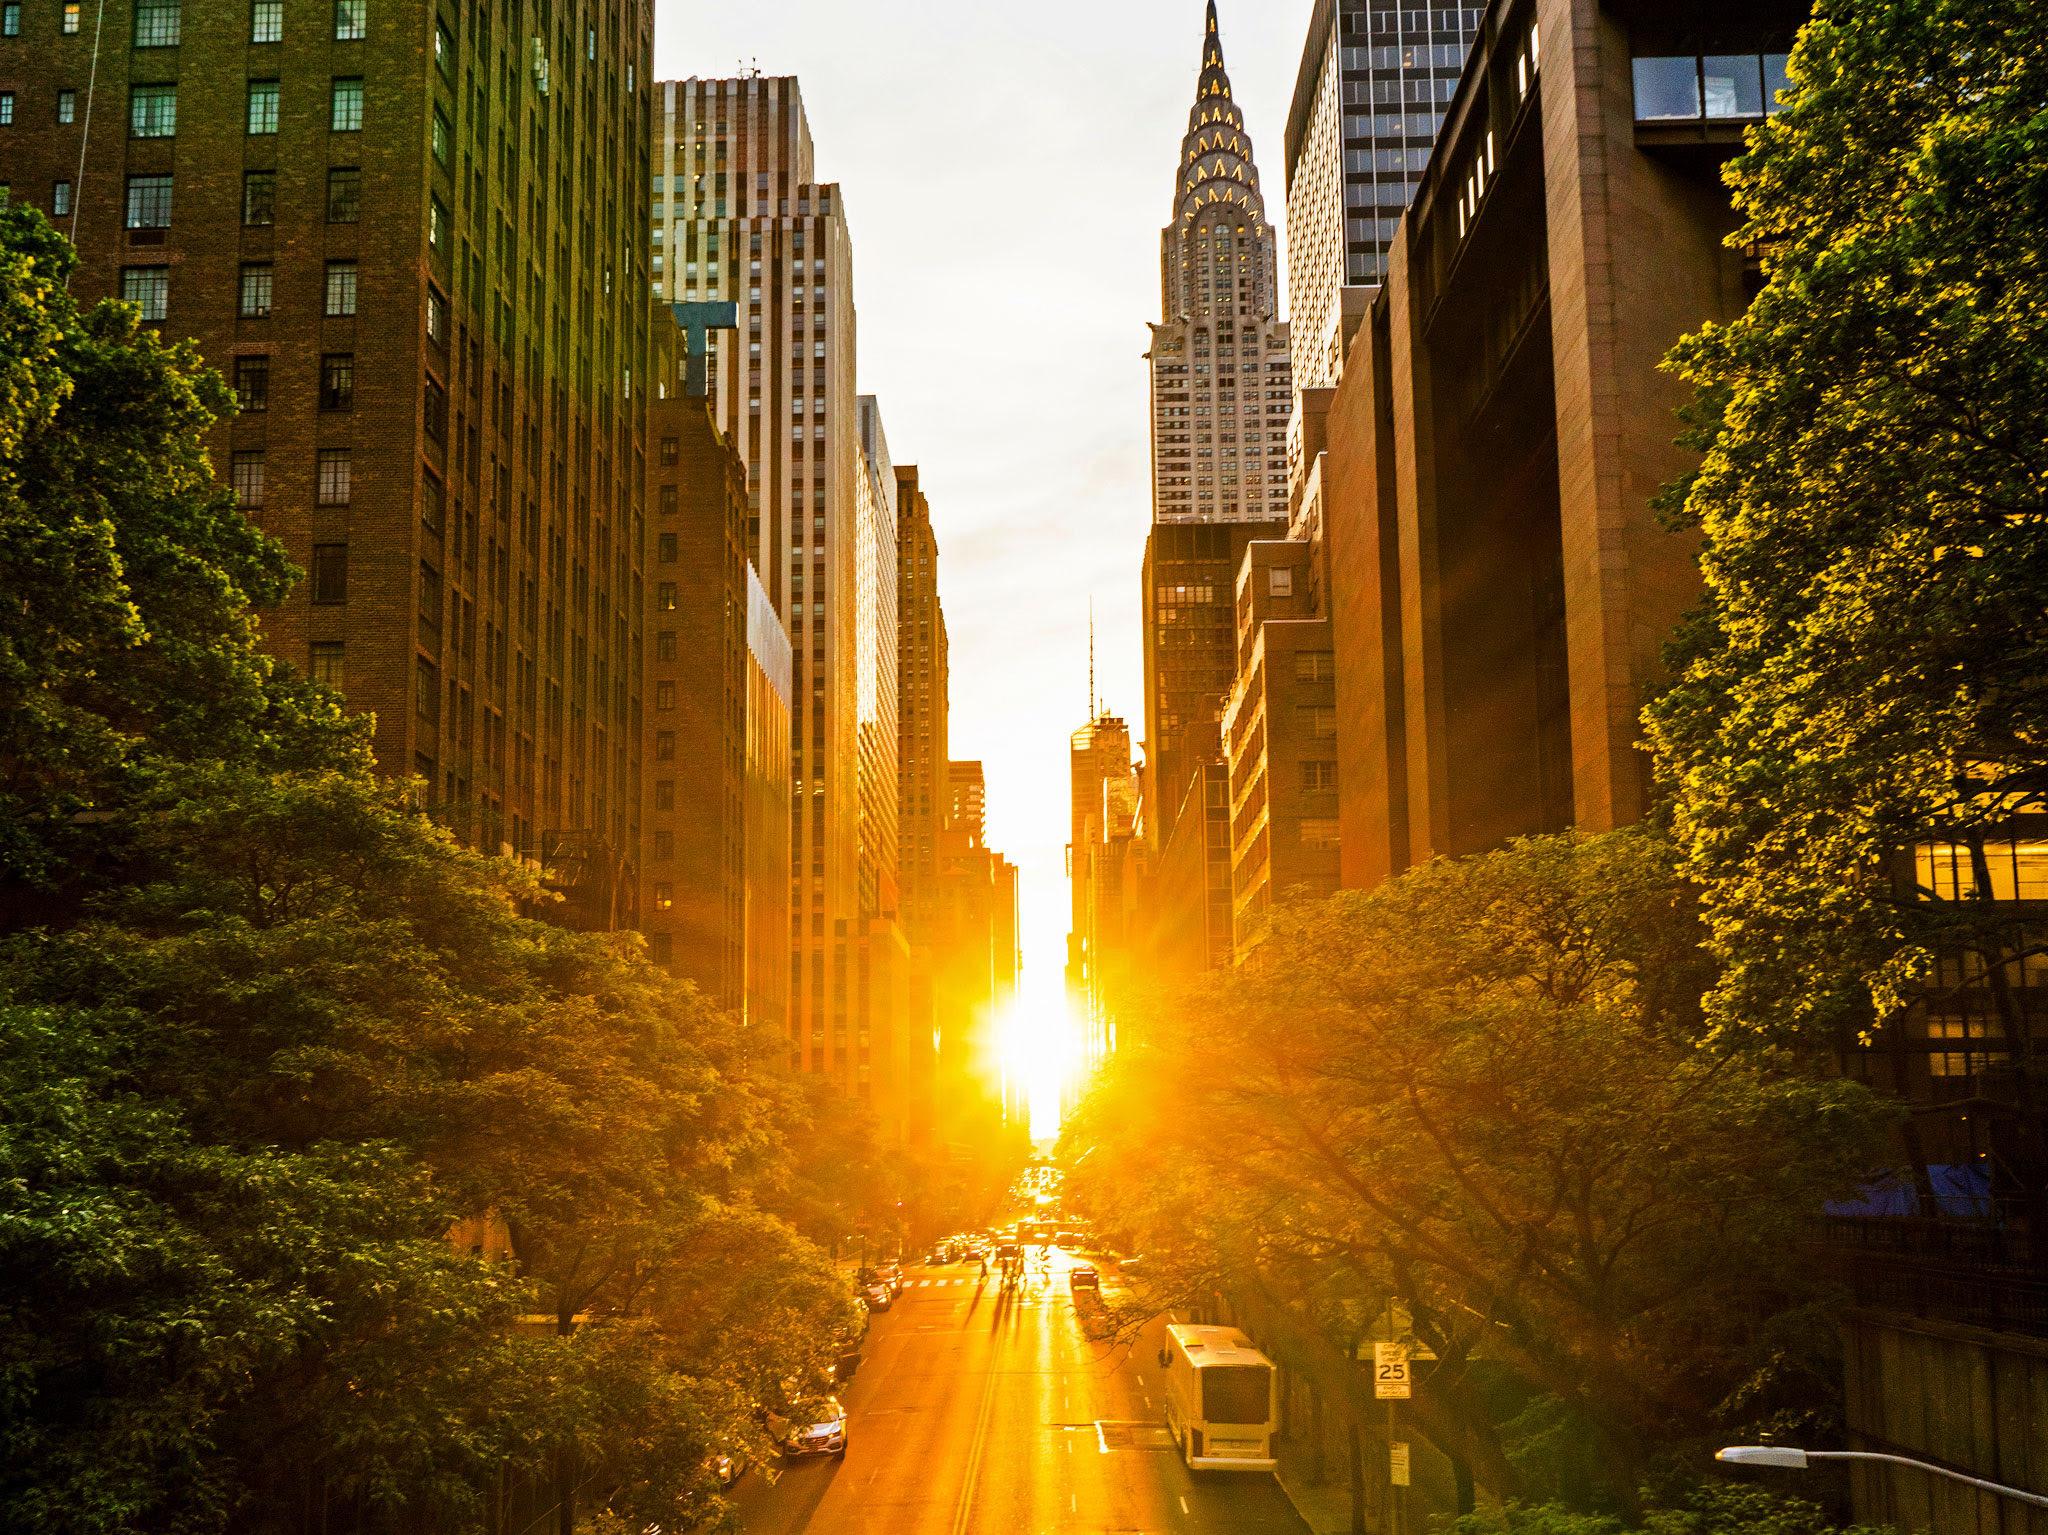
x: 980, y: 1412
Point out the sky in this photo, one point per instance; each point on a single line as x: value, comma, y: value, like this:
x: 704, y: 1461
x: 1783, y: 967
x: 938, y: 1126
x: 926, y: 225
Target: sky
x: 1007, y: 167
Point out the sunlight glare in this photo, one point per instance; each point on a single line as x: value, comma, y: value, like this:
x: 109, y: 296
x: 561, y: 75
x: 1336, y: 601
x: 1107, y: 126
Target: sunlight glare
x: 1041, y: 1049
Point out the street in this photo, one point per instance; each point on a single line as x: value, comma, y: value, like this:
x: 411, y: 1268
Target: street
x: 979, y: 1412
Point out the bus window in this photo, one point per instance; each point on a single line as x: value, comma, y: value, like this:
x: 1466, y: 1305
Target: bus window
x: 1237, y: 1393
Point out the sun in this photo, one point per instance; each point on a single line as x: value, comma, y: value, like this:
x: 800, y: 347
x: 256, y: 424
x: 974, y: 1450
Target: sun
x: 1040, y: 1042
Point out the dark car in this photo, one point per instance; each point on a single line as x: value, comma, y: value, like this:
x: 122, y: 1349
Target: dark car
x: 1082, y: 1277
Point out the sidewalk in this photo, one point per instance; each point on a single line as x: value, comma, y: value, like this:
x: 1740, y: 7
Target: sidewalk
x: 1325, y: 1507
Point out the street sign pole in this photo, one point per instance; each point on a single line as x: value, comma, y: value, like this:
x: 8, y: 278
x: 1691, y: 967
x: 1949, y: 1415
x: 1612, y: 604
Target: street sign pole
x: 1393, y: 1384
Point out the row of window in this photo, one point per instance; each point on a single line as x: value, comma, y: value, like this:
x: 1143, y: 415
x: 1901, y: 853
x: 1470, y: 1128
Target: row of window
x: 160, y: 23
x: 252, y: 374
x: 333, y: 480
x: 153, y: 109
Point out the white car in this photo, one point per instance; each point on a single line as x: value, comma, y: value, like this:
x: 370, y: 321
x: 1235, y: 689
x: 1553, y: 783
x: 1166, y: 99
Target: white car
x: 819, y: 1428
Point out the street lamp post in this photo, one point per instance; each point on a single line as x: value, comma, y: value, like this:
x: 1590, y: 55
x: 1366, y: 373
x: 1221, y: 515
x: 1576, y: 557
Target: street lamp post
x: 1786, y: 1458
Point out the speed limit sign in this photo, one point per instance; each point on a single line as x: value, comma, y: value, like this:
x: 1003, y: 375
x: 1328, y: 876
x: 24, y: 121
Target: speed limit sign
x: 1391, y: 1381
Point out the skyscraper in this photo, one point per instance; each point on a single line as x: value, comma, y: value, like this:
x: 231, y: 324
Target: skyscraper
x: 439, y: 344
x: 922, y: 707
x: 739, y: 215
x: 876, y: 676
x: 1375, y: 78
x: 1221, y: 381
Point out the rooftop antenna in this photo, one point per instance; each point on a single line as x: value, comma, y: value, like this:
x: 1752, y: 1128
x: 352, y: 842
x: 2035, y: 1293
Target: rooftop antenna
x: 1091, y: 660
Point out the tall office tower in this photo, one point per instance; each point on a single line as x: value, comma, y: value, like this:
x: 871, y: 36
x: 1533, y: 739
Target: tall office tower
x: 967, y: 800
x: 922, y: 713
x: 739, y: 215
x: 1221, y: 381
x: 876, y: 688
x: 718, y: 686
x: 1375, y: 78
x: 1190, y: 609
x: 409, y: 239
x: 1103, y: 796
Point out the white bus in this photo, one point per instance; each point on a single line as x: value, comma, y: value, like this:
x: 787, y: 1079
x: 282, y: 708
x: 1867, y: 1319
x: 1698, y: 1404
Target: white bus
x: 1220, y: 1396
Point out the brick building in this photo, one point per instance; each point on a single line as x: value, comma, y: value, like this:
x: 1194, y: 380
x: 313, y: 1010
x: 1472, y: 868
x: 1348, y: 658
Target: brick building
x: 1502, y: 586
x: 408, y: 237
x: 716, y: 897
x: 1280, y: 741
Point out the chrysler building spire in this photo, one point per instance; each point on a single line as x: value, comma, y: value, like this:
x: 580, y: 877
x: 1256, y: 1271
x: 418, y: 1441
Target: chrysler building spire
x: 1219, y: 206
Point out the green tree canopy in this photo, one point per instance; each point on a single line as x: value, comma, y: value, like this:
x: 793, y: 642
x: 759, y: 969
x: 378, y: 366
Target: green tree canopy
x: 1477, y: 1090
x: 1870, y: 669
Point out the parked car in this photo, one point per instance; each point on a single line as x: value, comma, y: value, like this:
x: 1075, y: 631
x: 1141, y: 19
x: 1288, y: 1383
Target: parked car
x: 879, y: 1297
x: 728, y: 1468
x: 816, y: 1428
x: 891, y: 1274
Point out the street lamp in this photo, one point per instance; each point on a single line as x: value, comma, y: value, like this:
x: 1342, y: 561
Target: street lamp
x: 1786, y: 1458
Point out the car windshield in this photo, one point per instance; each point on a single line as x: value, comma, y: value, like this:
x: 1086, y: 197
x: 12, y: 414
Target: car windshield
x: 1237, y: 1393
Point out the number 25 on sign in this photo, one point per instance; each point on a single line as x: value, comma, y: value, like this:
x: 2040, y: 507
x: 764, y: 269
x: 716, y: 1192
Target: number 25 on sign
x: 1391, y: 1380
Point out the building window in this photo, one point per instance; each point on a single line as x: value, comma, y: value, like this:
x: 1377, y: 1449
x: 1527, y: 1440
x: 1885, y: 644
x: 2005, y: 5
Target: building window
x: 246, y: 478
x: 1280, y: 583
x: 67, y: 106
x: 60, y: 199
x: 664, y: 897
x: 664, y: 697
x: 333, y: 477
x: 664, y: 846
x: 444, y: 48
x: 263, y: 106
x: 68, y: 21
x: 1319, y: 720
x: 670, y: 449
x: 149, y: 202
x: 1319, y: 831
x: 665, y: 645
x: 328, y: 658
x: 443, y: 141
x: 437, y: 316
x: 433, y: 503
x: 665, y: 548
x: 153, y: 111
x: 664, y: 746
x: 665, y: 794
x: 665, y: 597
x: 1315, y: 666
x: 436, y: 407
x: 252, y: 384
x: 341, y: 290
x: 437, y: 223
x: 346, y: 113
x: 351, y: 20
x: 255, y: 299
x: 266, y: 21
x: 6, y: 109
x: 1667, y: 89
x: 156, y: 23
x: 10, y: 19
x: 668, y: 500
x: 1318, y: 776
x: 259, y: 199
x: 338, y: 381
x: 329, y: 573
x: 344, y: 194
x: 148, y: 288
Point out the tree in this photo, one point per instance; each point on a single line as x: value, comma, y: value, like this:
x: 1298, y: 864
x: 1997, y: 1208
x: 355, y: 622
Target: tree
x: 1478, y: 1091
x: 132, y: 581
x: 268, y: 1038
x: 1869, y: 671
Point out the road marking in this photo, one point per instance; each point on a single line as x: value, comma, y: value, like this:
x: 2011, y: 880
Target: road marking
x: 974, y: 1454
x: 1183, y: 1507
